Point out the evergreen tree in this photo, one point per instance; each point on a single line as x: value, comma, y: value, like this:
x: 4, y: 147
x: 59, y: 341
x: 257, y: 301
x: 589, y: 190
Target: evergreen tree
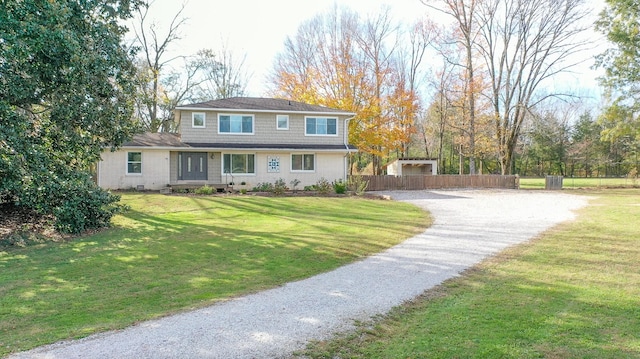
x: 66, y: 93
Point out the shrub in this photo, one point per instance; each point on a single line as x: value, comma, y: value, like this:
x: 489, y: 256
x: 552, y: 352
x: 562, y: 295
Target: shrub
x: 357, y: 184
x: 204, y: 190
x: 323, y: 186
x: 263, y: 187
x: 294, y: 183
x: 93, y: 209
x: 76, y: 203
x: 340, y: 187
x: 279, y: 187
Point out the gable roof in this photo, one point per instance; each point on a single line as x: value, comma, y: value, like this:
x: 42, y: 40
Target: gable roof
x: 260, y: 104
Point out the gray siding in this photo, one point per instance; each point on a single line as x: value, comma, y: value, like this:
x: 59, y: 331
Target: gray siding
x: 265, y: 131
x: 214, y: 166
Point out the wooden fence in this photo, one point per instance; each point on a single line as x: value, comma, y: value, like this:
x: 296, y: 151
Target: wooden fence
x: 418, y: 182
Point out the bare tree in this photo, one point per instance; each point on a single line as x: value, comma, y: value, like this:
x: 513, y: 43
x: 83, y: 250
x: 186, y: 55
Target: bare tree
x: 154, y: 46
x: 163, y: 82
x: 441, y: 109
x: 524, y: 43
x: 464, y: 13
x: 223, y: 74
x: 410, y: 61
x: 515, y: 45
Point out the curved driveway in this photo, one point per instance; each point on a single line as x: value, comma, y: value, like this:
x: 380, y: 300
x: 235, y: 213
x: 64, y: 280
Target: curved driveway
x: 469, y: 226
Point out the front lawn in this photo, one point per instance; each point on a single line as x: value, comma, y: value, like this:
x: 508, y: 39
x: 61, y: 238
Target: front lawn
x: 572, y: 293
x: 171, y: 253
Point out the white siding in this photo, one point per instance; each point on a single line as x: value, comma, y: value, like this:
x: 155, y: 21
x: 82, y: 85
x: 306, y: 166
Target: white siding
x: 330, y: 166
x: 412, y: 167
x: 112, y: 170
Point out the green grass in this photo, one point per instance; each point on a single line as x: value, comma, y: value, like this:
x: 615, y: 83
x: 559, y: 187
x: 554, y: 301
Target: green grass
x: 576, y: 183
x: 572, y: 293
x: 170, y: 253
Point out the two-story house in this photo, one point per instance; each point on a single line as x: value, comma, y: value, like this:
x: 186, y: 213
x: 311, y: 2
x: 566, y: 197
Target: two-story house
x: 242, y: 139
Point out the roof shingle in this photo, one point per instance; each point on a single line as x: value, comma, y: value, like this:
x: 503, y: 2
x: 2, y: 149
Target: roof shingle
x: 262, y: 104
x: 149, y: 139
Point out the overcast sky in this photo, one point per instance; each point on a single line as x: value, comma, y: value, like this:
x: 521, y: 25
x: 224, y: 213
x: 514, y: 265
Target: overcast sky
x: 258, y: 28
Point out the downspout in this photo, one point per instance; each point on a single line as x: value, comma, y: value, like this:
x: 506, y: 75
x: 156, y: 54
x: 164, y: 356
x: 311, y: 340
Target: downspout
x: 345, y: 139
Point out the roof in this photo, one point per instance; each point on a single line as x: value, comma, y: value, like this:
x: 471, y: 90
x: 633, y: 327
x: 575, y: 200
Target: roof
x: 267, y: 146
x: 416, y: 159
x: 149, y: 139
x: 172, y: 140
x: 261, y: 104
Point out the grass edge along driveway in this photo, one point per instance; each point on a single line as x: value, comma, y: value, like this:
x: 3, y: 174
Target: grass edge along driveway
x: 172, y: 253
x: 574, y: 292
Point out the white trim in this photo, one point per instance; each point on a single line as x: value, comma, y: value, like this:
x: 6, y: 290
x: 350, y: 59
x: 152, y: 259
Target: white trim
x: 126, y: 164
x: 315, y: 162
x: 193, y: 119
x: 306, y: 118
x: 218, y: 149
x: 253, y: 124
x: 278, y: 123
x: 255, y: 165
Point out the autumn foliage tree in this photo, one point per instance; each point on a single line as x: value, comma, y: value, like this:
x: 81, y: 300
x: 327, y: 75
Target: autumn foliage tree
x: 339, y: 60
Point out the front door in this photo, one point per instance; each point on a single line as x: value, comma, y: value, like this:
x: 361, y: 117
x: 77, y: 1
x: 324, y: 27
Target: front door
x: 194, y: 166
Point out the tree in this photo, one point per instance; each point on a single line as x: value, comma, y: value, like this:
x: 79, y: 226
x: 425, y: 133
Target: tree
x: 151, y: 98
x: 65, y: 94
x: 223, y: 76
x: 515, y: 45
x: 409, y: 63
x: 586, y: 147
x: 524, y: 43
x: 339, y: 60
x: 464, y: 15
x: 620, y: 22
x: 549, y: 142
x: 162, y: 84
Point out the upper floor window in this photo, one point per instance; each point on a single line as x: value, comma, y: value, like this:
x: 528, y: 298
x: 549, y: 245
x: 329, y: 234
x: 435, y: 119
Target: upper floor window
x: 240, y: 124
x: 321, y: 126
x: 134, y: 163
x: 282, y: 122
x: 198, y: 120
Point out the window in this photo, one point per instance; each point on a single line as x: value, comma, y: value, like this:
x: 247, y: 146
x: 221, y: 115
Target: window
x: 282, y: 122
x: 198, y: 120
x: 239, y: 124
x: 134, y: 162
x: 305, y: 162
x: 238, y: 163
x: 321, y: 126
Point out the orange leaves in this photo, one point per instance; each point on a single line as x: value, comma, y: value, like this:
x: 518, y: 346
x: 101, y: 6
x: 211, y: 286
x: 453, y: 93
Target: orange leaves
x: 341, y: 61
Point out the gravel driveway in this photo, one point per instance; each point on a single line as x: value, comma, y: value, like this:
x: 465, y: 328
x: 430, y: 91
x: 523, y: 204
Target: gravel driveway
x: 469, y: 226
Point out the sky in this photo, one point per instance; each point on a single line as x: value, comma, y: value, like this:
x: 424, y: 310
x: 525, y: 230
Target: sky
x: 257, y: 30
